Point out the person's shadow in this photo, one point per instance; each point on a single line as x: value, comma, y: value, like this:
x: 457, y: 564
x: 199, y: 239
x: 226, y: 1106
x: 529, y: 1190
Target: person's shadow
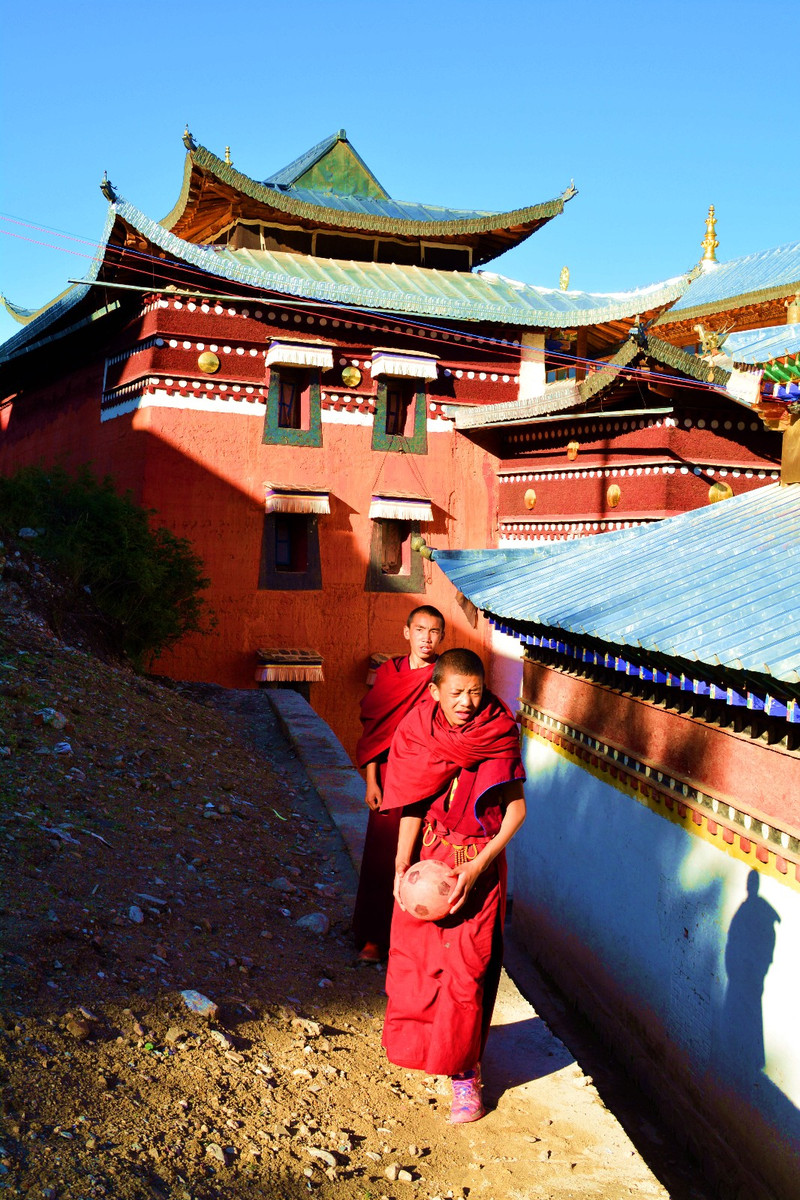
x: 748, y: 956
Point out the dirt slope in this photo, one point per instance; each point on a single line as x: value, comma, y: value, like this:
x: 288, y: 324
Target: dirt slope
x: 148, y: 847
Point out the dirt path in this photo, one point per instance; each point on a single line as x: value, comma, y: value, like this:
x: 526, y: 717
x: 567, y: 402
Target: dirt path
x: 150, y: 844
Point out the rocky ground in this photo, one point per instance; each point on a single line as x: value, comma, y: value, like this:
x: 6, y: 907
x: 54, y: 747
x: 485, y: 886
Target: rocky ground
x: 150, y: 850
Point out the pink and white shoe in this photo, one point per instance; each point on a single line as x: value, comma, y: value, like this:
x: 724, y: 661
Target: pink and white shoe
x: 467, y: 1103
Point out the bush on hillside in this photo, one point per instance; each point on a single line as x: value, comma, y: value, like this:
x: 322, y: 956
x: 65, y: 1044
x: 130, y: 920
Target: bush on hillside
x: 145, y: 581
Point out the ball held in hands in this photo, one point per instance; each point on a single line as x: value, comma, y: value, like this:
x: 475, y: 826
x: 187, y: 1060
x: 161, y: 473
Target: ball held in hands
x: 426, y: 889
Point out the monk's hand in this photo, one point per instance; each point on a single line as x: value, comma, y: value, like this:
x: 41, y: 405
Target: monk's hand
x: 374, y: 797
x: 467, y: 875
x: 400, y: 869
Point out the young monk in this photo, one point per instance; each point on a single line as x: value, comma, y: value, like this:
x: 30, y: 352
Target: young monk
x: 455, y: 773
x: 400, y: 683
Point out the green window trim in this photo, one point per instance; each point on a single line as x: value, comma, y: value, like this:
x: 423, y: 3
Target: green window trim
x: 279, y: 435
x: 417, y: 443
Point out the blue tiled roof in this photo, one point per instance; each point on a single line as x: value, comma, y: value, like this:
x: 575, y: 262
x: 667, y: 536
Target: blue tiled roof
x: 767, y: 271
x: 763, y: 345
x: 718, y: 585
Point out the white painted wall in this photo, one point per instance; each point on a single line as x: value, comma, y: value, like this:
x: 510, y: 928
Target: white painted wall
x: 689, y: 934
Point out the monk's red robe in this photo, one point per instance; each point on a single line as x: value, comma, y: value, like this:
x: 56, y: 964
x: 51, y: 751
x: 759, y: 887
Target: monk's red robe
x: 396, y: 690
x: 443, y: 975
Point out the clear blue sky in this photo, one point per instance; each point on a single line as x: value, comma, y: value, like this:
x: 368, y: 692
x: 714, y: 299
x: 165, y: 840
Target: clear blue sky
x: 655, y: 110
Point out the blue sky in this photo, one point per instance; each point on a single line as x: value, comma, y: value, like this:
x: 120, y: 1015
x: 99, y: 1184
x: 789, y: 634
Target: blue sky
x: 655, y: 111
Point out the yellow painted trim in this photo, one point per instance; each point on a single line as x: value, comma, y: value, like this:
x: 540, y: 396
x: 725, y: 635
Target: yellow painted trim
x: 685, y: 820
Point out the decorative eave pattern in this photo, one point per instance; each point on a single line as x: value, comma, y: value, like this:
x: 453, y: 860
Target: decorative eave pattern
x: 355, y: 212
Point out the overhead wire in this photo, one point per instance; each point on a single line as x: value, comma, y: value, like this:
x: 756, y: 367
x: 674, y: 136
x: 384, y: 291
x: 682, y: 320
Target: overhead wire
x: 303, y: 305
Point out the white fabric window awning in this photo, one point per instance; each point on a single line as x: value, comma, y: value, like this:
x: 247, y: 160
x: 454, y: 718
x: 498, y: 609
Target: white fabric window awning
x: 403, y: 364
x: 280, y: 665
x: 286, y: 499
x: 300, y: 354
x: 399, y: 507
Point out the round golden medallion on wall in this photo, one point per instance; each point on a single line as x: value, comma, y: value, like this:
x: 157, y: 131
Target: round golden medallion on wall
x: 351, y: 377
x: 530, y: 498
x: 719, y: 491
x: 208, y: 362
x: 572, y: 451
x: 613, y: 495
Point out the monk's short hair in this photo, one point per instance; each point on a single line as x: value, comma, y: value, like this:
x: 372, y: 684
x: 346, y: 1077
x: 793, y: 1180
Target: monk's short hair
x: 425, y: 610
x: 457, y: 662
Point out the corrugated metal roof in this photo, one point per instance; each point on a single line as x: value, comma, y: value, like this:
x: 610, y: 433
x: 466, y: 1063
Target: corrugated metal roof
x: 417, y: 291
x: 762, y: 345
x: 767, y: 271
x: 458, y: 294
x: 718, y: 585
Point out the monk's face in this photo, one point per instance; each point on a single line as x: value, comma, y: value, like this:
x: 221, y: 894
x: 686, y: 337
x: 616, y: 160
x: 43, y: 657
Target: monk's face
x: 423, y: 635
x: 459, y: 697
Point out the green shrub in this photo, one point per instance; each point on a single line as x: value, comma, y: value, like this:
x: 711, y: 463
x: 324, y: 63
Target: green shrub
x: 146, y: 582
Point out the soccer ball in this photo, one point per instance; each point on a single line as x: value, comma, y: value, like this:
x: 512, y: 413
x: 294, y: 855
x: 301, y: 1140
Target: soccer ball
x: 426, y: 889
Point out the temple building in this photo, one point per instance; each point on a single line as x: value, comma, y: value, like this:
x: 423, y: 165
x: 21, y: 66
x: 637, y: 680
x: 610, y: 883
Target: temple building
x: 302, y: 375
x: 268, y: 368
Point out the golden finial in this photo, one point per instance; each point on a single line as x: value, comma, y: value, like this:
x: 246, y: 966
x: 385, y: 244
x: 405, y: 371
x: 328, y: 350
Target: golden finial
x: 709, y: 242
x: 563, y: 279
x: 228, y: 159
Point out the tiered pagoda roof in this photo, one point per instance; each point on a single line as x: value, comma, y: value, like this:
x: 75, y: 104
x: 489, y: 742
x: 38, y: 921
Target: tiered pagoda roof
x: 388, y: 287
x: 330, y: 188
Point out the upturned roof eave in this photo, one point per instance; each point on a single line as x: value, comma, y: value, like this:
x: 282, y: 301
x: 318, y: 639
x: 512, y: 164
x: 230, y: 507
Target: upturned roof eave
x: 520, y: 222
x: 46, y: 316
x: 762, y: 296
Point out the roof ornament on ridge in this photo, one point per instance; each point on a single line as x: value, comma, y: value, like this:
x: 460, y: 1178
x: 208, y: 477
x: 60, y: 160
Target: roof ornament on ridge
x: 188, y: 140
x: 710, y: 242
x: 107, y: 188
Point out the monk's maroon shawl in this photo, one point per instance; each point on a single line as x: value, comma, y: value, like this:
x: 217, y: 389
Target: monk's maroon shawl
x: 396, y: 691
x: 428, y: 753
x: 442, y: 976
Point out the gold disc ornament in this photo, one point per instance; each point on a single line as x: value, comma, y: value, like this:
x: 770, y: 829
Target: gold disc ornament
x: 208, y: 362
x: 530, y: 498
x: 351, y: 377
x: 719, y: 491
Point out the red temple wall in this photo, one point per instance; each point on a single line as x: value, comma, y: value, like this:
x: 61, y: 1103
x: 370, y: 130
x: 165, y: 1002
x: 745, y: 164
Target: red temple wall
x: 205, y: 474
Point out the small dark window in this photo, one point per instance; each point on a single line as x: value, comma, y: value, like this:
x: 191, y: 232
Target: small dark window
x: 393, y: 566
x: 293, y: 407
x: 293, y: 400
x: 290, y: 553
x: 395, y: 547
x: 291, y: 543
x: 399, y: 396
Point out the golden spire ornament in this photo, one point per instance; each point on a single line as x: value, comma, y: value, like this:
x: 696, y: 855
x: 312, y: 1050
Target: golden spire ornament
x: 563, y: 279
x: 228, y: 159
x: 709, y: 242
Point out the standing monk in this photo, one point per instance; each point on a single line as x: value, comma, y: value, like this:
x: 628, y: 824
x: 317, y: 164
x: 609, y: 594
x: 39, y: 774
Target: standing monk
x: 400, y: 683
x: 456, y: 775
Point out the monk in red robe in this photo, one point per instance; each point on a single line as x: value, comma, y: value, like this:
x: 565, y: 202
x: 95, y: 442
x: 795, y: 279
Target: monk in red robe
x: 455, y: 773
x: 400, y: 683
